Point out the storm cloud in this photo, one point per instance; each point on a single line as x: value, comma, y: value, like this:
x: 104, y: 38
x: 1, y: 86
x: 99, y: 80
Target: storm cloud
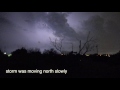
x: 33, y: 29
x: 106, y: 29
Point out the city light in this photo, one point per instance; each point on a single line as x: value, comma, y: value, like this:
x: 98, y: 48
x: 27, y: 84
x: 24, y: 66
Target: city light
x: 87, y: 55
x: 9, y: 55
x: 108, y: 55
x: 5, y: 53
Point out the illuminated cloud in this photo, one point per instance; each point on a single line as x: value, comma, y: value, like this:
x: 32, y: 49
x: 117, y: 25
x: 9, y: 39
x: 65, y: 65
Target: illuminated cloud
x: 33, y: 29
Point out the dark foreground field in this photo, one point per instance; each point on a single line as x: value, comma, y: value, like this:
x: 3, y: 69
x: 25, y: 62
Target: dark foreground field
x: 77, y: 66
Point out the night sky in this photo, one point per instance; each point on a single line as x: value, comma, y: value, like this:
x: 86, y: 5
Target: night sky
x: 33, y: 29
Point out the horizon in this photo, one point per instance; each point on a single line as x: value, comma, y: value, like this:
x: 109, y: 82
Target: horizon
x: 35, y: 29
x: 59, y: 52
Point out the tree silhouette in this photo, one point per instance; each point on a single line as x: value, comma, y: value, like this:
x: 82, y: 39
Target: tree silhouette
x: 58, y: 44
x: 50, y: 52
x: 35, y: 51
x: 1, y: 53
x: 87, y: 46
x: 20, y: 52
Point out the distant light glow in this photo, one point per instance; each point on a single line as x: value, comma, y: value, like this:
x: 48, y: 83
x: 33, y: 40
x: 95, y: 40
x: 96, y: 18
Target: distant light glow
x: 9, y: 55
x: 108, y: 55
x: 5, y: 53
x: 87, y: 55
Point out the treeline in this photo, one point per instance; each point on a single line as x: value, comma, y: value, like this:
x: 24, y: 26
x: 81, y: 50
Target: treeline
x: 77, y: 65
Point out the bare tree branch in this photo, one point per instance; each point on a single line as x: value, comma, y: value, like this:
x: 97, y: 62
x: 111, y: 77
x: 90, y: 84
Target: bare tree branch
x: 58, y: 45
x: 87, y: 45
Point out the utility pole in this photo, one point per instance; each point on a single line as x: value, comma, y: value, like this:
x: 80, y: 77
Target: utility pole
x: 72, y: 47
x: 80, y: 47
x: 97, y: 48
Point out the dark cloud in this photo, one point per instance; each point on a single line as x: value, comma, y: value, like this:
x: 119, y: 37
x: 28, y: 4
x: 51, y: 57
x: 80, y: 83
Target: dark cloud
x: 10, y: 34
x: 58, y: 22
x: 28, y: 28
x: 106, y: 29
